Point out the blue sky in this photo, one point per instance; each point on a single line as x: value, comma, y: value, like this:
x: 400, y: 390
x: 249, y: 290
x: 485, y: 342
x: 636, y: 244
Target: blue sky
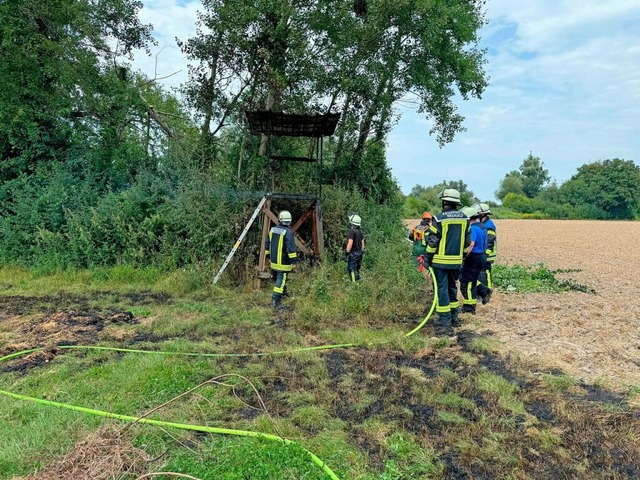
x: 564, y: 84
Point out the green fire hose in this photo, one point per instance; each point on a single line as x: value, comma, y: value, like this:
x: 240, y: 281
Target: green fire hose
x: 201, y: 428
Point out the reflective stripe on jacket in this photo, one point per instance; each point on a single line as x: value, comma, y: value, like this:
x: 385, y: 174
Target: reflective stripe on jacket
x: 448, y: 237
x: 492, y: 241
x: 281, y: 248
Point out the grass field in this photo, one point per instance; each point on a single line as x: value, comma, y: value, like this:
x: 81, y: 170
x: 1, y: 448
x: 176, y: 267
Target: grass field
x: 537, y: 385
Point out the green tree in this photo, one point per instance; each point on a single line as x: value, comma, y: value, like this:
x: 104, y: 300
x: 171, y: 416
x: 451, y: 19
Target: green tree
x: 528, y: 180
x: 534, y: 176
x: 612, y: 186
x: 511, y: 183
x: 61, y: 86
x: 423, y: 199
x: 360, y: 59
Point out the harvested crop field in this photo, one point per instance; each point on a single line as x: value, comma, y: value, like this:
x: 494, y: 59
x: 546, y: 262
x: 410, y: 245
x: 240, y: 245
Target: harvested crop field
x: 593, y: 336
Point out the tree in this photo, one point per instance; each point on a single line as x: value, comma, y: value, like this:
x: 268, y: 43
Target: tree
x: 358, y: 58
x: 511, y: 183
x: 534, y: 176
x: 528, y: 180
x: 612, y: 186
x: 423, y: 199
x: 61, y: 84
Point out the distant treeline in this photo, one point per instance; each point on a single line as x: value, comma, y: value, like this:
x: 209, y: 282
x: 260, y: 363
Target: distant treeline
x: 607, y: 190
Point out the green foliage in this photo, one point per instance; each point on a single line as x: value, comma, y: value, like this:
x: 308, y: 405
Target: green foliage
x: 534, y: 176
x: 538, y: 278
x: 511, y: 184
x: 529, y: 180
x: 609, y: 189
x: 610, y: 186
x: 60, y: 89
x: 425, y: 199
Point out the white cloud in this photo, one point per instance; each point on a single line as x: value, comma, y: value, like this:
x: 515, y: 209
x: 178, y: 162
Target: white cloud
x: 565, y: 83
x: 170, y: 19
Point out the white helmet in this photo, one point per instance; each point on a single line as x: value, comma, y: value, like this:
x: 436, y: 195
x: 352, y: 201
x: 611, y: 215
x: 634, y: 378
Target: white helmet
x: 285, y: 217
x: 470, y: 212
x: 450, y: 195
x: 485, y: 209
x: 355, y: 220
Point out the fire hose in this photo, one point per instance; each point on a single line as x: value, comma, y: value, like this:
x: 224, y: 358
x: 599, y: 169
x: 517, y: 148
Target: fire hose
x: 201, y: 428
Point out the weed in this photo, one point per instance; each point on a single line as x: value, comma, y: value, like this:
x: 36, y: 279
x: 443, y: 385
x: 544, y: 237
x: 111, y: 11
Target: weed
x: 538, y: 278
x: 558, y: 382
x: 483, y: 344
x: 449, y: 417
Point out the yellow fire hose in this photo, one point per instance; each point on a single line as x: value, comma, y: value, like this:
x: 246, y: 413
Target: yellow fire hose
x: 201, y: 428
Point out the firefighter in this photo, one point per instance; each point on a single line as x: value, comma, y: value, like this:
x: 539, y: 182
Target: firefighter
x: 355, y: 248
x: 416, y: 237
x: 474, y: 261
x: 485, y: 287
x: 280, y: 247
x: 446, y: 240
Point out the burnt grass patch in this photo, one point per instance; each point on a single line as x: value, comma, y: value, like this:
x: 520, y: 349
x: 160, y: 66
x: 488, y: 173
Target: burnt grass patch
x: 22, y: 305
x: 66, y: 327
x: 514, y: 426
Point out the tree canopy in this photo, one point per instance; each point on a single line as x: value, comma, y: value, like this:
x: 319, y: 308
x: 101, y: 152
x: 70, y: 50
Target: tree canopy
x: 529, y: 180
x: 317, y: 56
x: 62, y: 85
x: 612, y: 186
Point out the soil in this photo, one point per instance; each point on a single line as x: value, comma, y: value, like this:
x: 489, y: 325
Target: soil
x: 66, y: 327
x: 592, y: 336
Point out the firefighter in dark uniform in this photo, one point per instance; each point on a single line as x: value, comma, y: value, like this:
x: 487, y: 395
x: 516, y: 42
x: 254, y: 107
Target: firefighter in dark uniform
x: 280, y: 247
x: 446, y: 241
x: 485, y: 285
x: 474, y: 261
x: 355, y: 248
x: 416, y: 236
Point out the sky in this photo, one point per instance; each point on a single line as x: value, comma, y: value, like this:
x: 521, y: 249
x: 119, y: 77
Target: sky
x: 564, y: 85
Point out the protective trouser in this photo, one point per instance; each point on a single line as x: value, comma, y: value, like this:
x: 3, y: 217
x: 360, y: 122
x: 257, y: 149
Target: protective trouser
x: 280, y: 286
x: 447, y: 305
x: 471, y: 268
x: 354, y: 261
x: 485, y: 284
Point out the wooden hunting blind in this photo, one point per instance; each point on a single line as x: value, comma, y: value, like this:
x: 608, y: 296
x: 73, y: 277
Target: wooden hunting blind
x: 314, y: 128
x: 307, y: 224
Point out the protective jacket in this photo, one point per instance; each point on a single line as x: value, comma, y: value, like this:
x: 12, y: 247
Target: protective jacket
x: 447, y: 238
x: 280, y: 246
x: 492, y: 244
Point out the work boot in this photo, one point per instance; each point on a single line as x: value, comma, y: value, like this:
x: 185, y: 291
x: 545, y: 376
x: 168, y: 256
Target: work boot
x: 455, y: 320
x: 469, y: 309
x: 276, y: 304
x: 442, y: 325
x: 487, y: 297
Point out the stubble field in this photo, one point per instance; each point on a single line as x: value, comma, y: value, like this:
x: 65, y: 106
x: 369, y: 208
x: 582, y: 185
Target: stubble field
x: 595, y: 337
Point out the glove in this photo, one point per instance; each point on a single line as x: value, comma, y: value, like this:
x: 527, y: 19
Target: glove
x: 427, y: 261
x: 346, y: 256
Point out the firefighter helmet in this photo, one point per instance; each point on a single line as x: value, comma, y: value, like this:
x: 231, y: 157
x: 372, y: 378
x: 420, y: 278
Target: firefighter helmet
x: 285, y: 217
x: 355, y: 220
x: 427, y: 216
x: 485, y: 208
x: 450, y: 195
x: 470, y: 212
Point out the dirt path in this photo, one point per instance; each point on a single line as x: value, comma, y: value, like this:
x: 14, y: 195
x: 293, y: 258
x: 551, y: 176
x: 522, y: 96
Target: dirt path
x: 595, y: 337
